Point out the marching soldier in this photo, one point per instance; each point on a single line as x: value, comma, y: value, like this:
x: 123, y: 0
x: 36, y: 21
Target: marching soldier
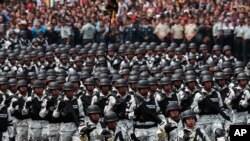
x: 191, y: 131
x: 146, y: 114
x: 187, y: 95
x: 238, y: 99
x: 89, y: 92
x: 173, y: 121
x: 70, y: 111
x: 227, y: 56
x: 49, y: 105
x: 93, y: 125
x: 38, y: 126
x: 166, y: 96
x: 121, y: 106
x: 23, y: 39
x: 21, y: 125
x: 208, y: 104
x: 105, y: 99
x: 5, y: 120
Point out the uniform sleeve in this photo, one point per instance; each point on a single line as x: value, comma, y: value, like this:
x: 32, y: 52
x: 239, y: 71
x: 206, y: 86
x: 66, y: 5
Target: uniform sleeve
x: 44, y: 111
x: 111, y: 103
x: 56, y: 112
x: 244, y: 102
x: 94, y: 100
x: 221, y: 102
x: 194, y: 105
x: 230, y: 97
x: 11, y: 108
x: 81, y: 112
x: 205, y: 135
x: 131, y: 108
x: 25, y: 110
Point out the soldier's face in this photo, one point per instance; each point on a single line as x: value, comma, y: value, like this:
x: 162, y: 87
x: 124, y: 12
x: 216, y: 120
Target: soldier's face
x: 133, y: 85
x: 221, y: 82
x: 4, y: 87
x: 55, y: 92
x: 90, y: 87
x: 208, y: 85
x: 111, y: 53
x: 217, y: 52
x: 243, y: 82
x: 23, y: 89
x: 143, y: 91
x: 190, y: 122
x: 191, y: 85
x: 69, y: 93
x: 94, y: 117
x: 105, y: 89
x: 76, y: 84
x: 13, y: 88
x: 228, y: 53
x: 122, y: 90
x: 153, y: 87
x: 174, y: 113
x: 167, y: 87
x: 111, y: 125
x: 38, y: 91
x: 177, y: 83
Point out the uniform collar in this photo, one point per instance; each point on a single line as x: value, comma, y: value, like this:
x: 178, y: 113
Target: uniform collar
x: 65, y: 98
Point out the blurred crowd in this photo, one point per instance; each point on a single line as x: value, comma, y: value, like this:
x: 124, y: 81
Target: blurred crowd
x: 157, y: 70
x: 222, y: 22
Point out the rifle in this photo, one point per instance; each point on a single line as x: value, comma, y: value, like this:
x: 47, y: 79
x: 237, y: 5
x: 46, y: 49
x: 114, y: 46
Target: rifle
x: 216, y: 108
x: 145, y: 110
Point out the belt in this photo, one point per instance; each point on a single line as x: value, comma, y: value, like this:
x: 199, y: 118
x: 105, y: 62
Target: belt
x: 145, y: 126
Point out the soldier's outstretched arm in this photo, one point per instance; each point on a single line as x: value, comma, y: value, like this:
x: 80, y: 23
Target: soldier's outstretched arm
x: 194, y: 105
x: 44, y: 111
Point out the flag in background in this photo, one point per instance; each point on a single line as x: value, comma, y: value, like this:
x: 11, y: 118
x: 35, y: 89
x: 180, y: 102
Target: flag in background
x: 112, y: 7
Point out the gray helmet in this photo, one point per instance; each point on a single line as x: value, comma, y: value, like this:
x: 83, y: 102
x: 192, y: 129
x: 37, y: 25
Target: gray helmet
x: 49, y: 54
x: 216, y: 47
x: 219, y: 76
x: 51, y: 78
x: 116, y: 77
x: 78, y: 59
x: 190, y: 78
x: 22, y: 82
x: 190, y: 72
x: 144, y: 68
x: 206, y: 78
x: 60, y: 79
x: 174, y: 45
x: 110, y: 117
x: 189, y: 67
x: 155, y: 70
x: 192, y: 45
x: 144, y: 75
x: 63, y: 56
x: 68, y: 86
x: 173, y: 106
x: 238, y: 70
x: 93, y: 109
x: 3, y: 80
x: 159, y: 76
x: 226, y: 47
x: 239, y: 64
x: 152, y: 81
x: 54, y: 86
x: 124, y: 71
x: 105, y: 82
x: 12, y: 82
x: 51, y: 72
x: 20, y: 75
x: 176, y: 77
x: 11, y: 74
x: 89, y: 81
x: 167, y: 69
x: 203, y: 47
x: 42, y: 76
x: 121, y: 83
x: 133, y: 79
x: 228, y: 71
x: 84, y: 75
x: 74, y: 78
x: 38, y: 84
x: 165, y: 81
x: 143, y: 84
x: 61, y: 72
x: 242, y: 76
x: 187, y: 114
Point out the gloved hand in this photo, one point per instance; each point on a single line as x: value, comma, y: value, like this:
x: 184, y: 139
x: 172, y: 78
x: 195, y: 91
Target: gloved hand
x: 168, y: 128
x: 106, y: 133
x: 86, y: 130
x: 61, y: 105
x: 28, y: 103
x: 202, y: 103
x: 50, y: 103
x: 14, y: 104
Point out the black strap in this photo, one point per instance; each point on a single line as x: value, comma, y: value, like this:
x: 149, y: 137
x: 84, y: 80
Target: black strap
x: 1, y: 136
x: 119, y: 136
x: 198, y: 133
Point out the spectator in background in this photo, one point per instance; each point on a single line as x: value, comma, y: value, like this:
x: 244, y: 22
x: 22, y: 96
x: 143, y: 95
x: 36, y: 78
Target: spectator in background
x: 88, y: 32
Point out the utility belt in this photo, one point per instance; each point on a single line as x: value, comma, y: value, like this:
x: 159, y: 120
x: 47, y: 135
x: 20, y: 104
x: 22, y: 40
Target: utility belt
x: 145, y: 126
